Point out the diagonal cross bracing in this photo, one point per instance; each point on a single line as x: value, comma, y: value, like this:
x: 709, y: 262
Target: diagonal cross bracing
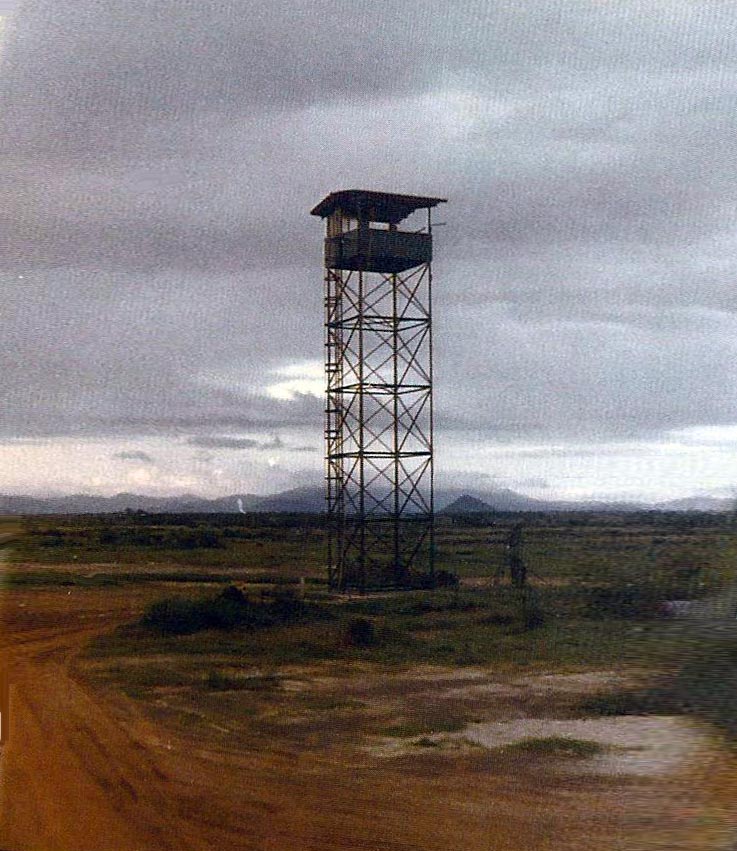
x: 378, y: 425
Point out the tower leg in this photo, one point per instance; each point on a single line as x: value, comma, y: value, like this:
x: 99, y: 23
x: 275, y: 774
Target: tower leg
x: 379, y: 442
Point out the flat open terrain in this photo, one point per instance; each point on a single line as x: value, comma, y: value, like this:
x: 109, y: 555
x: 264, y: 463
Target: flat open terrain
x: 459, y: 723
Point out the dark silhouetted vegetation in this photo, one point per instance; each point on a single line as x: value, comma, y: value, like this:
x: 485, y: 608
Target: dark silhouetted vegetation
x: 227, y: 610
x: 360, y: 632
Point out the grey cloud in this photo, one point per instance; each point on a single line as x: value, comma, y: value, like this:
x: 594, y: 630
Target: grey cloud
x: 225, y: 442
x: 575, y: 450
x: 644, y: 183
x: 203, y: 458
x: 208, y: 419
x: 533, y: 482
x: 82, y: 60
x: 526, y: 377
x: 148, y: 58
x: 90, y: 353
x: 134, y: 455
x: 618, y: 152
x: 160, y: 160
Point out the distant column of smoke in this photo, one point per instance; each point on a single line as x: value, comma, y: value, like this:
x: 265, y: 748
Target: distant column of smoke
x: 240, y: 506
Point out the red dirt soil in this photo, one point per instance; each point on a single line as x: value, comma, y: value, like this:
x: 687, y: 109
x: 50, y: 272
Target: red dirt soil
x: 86, y: 770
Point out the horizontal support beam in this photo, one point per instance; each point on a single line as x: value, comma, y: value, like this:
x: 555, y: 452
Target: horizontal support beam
x: 368, y: 319
x: 379, y: 389
x: 386, y: 455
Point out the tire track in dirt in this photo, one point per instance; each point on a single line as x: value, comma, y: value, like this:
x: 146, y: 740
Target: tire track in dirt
x: 86, y: 770
x: 81, y: 772
x: 72, y: 777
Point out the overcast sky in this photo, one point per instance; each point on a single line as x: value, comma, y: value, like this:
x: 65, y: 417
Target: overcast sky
x: 161, y: 307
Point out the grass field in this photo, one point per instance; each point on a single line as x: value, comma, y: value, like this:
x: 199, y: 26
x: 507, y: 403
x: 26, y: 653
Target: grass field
x: 214, y: 639
x: 595, y: 586
x: 691, y: 553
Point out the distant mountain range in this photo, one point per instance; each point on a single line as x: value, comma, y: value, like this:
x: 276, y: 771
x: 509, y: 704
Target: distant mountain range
x: 311, y: 499
x: 458, y: 501
x: 508, y: 500
x: 305, y: 499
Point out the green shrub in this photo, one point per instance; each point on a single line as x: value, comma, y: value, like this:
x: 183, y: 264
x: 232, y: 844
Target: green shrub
x: 533, y: 616
x: 706, y: 683
x: 285, y: 606
x: 555, y: 746
x: 648, y: 701
x: 216, y: 681
x: 228, y: 610
x: 703, y: 681
x: 360, y: 632
x: 175, y: 617
x: 196, y: 540
x: 629, y: 601
x: 445, y: 579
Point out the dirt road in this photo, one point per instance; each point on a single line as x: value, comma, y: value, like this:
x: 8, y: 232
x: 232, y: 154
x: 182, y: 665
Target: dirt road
x: 86, y: 771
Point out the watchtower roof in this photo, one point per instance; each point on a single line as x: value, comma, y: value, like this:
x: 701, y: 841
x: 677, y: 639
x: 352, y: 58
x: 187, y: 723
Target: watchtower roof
x: 378, y: 206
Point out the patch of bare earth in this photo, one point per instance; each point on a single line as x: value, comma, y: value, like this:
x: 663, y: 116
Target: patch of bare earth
x: 284, y: 760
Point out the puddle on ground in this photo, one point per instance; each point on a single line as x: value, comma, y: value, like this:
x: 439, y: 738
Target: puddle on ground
x: 636, y: 745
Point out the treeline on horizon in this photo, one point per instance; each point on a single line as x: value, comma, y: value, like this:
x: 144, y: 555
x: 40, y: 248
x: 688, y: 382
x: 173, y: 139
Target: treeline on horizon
x: 286, y: 519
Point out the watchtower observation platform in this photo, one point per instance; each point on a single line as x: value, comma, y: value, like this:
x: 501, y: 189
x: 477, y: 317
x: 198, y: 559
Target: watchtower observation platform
x: 362, y: 232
